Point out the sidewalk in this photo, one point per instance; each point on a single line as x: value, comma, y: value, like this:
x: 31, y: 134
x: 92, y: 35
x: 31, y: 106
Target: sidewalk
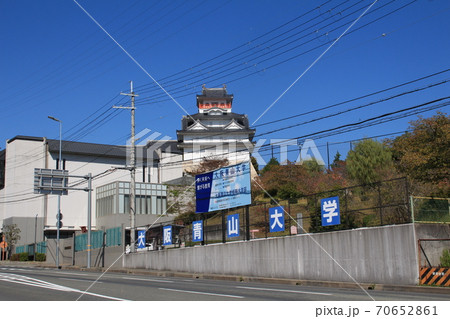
x: 296, y: 282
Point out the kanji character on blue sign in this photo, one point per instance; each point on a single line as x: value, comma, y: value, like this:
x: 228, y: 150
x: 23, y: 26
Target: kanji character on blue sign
x: 197, y: 230
x: 276, y: 219
x: 330, y: 211
x: 141, y: 239
x: 233, y: 225
x: 167, y: 235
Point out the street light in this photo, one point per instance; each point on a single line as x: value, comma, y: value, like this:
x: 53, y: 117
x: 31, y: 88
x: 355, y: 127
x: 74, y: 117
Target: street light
x: 59, y: 196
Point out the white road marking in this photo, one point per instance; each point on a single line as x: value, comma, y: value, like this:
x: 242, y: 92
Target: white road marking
x: 145, y: 279
x: 201, y: 293
x: 23, y: 280
x: 73, y: 279
x: 75, y: 274
x: 290, y: 291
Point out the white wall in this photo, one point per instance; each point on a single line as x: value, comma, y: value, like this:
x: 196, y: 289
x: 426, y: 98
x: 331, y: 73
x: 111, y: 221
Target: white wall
x: 18, y: 199
x: 74, y: 205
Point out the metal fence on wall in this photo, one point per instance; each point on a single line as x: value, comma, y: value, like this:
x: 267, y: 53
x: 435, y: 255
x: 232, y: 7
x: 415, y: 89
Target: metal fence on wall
x: 112, y: 238
x: 370, y: 205
x: 41, y: 248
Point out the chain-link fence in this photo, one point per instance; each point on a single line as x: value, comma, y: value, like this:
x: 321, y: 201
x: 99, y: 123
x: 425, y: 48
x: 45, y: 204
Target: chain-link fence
x: 431, y: 210
x: 370, y: 205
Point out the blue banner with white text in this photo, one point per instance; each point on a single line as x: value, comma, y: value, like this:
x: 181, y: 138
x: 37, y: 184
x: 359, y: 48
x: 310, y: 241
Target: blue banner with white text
x: 223, y: 188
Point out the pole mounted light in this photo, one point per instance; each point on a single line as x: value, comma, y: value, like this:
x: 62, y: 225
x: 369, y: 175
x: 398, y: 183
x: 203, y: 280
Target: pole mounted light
x: 58, y: 224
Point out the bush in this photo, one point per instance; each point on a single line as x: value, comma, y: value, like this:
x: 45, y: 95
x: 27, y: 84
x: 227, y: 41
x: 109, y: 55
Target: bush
x: 15, y: 257
x: 445, y: 259
x: 40, y: 257
x: 23, y: 256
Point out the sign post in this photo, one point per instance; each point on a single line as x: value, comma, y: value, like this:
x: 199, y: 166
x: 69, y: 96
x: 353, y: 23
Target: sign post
x: 55, y: 181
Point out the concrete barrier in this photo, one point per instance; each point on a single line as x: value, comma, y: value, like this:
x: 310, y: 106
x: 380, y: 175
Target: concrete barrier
x: 385, y: 255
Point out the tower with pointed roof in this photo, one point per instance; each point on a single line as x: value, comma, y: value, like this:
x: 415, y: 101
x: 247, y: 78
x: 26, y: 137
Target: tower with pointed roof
x: 215, y: 131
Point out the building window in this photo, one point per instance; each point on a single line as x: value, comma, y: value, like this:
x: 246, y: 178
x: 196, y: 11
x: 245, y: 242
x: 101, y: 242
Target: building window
x: 150, y: 199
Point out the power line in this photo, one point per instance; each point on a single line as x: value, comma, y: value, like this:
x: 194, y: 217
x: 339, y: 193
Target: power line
x: 320, y: 134
x: 361, y: 97
x: 373, y: 121
x: 264, y: 50
x: 355, y: 108
x: 191, y: 85
x: 376, y: 118
x: 354, y: 99
x: 203, y: 64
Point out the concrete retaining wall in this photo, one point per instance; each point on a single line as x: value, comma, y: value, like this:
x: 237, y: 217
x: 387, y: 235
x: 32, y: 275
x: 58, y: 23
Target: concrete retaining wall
x: 68, y: 258
x: 373, y: 255
x: 111, y: 254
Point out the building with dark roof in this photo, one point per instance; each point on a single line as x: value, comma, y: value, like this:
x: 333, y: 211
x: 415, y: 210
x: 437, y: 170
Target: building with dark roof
x: 215, y: 131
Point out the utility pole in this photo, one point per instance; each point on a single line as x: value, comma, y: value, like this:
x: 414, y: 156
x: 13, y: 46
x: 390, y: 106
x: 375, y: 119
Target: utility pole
x: 58, y: 214
x: 89, y: 190
x: 328, y: 156
x: 132, y: 168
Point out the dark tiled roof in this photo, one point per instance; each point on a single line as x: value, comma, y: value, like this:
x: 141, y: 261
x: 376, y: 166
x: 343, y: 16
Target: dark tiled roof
x: 215, y: 93
x: 91, y: 149
x: 165, y: 146
x: 25, y: 138
x: 241, y: 119
x: 80, y: 148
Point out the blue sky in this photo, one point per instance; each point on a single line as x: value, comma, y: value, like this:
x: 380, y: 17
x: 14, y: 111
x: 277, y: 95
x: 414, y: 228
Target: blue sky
x: 56, y: 61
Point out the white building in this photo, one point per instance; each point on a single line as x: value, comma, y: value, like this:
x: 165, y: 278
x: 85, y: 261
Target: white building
x: 18, y: 201
x: 215, y: 131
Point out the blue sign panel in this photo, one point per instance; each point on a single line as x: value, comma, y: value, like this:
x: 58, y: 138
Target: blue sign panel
x: 224, y: 188
x: 330, y: 211
x: 197, y: 230
x: 141, y: 239
x: 167, y: 235
x: 233, y: 225
x: 276, y: 219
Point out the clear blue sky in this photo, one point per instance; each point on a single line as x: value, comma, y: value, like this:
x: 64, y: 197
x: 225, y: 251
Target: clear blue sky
x: 56, y: 61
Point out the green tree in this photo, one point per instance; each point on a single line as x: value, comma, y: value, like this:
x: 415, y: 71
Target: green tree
x: 255, y: 164
x: 273, y: 163
x: 12, y: 236
x: 369, y: 162
x: 313, y: 166
x: 423, y: 154
x: 337, y: 162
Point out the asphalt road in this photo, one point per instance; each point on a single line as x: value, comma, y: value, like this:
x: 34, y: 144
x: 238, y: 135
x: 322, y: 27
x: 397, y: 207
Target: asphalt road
x: 41, y: 284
